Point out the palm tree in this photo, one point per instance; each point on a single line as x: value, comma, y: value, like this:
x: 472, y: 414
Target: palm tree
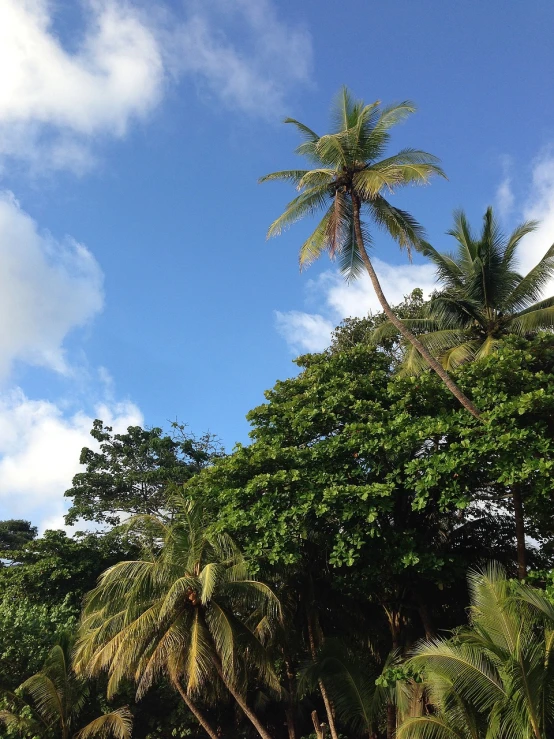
x: 49, y: 703
x: 348, y: 181
x: 482, y: 296
x: 494, y: 678
x: 188, y: 610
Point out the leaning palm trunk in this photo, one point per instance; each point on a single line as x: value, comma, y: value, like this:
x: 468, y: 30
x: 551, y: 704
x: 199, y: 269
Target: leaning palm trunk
x: 398, y: 323
x: 239, y: 698
x: 196, y: 712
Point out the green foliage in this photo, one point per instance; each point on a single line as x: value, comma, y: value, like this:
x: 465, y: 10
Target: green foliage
x: 28, y: 630
x: 14, y: 534
x: 136, y: 472
x: 58, y: 567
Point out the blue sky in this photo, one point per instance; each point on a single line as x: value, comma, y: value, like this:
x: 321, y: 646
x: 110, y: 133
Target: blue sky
x: 135, y: 280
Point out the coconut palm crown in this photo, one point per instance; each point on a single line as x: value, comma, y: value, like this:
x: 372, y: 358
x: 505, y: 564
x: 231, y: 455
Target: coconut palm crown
x: 188, y: 610
x: 482, y: 296
x: 349, y: 182
x: 49, y: 703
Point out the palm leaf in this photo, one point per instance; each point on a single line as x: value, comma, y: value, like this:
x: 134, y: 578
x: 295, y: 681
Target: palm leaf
x: 307, y: 203
x: 117, y: 724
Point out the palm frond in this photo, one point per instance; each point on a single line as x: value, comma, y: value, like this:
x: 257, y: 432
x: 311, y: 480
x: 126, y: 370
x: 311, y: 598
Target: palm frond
x: 529, y: 322
x: 404, y: 229
x: 514, y: 239
x: 317, y: 243
x: 532, y: 285
x: 307, y: 203
x: 304, y: 130
x: 45, y: 698
x: 430, y: 727
x: 286, y: 175
x: 117, y: 724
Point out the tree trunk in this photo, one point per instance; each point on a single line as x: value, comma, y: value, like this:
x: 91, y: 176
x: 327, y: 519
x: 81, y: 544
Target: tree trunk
x: 289, y: 710
x: 319, y: 729
x: 196, y: 711
x: 520, y: 532
x: 291, y: 726
x: 250, y: 715
x: 393, y: 318
x: 391, y: 720
x: 426, y: 620
x: 322, y: 689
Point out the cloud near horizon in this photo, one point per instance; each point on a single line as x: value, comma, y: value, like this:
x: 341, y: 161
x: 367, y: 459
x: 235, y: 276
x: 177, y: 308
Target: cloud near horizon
x: 311, y: 332
x: 39, y: 453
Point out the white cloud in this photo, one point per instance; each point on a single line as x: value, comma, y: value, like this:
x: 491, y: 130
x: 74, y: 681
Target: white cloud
x: 47, y: 288
x: 52, y: 100
x: 304, y: 331
x: 540, y: 207
x: 39, y: 453
x: 339, y: 299
x: 241, y: 52
x: 505, y: 197
x: 56, y: 102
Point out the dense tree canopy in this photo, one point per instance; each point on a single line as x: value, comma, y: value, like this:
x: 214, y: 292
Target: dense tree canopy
x: 131, y: 473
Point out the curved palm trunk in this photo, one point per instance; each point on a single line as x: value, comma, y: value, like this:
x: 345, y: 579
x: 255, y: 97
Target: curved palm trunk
x: 250, y: 715
x: 322, y: 689
x: 393, y: 318
x: 520, y: 532
x: 196, y: 712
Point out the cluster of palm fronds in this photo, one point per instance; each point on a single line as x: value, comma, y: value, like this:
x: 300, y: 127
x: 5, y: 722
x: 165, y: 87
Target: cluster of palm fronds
x: 481, y: 297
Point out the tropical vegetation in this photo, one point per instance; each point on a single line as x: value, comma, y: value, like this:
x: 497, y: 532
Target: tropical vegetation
x: 376, y: 562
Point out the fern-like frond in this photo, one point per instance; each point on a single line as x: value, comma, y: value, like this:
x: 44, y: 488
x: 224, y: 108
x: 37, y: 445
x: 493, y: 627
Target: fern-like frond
x: 307, y: 203
x: 117, y: 724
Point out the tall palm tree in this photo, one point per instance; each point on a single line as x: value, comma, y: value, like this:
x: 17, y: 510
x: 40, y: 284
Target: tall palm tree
x: 495, y: 678
x: 48, y: 704
x: 189, y: 610
x: 482, y: 297
x: 348, y: 181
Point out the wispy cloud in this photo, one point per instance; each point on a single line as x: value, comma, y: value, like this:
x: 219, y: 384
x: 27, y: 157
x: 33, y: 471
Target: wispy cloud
x: 338, y: 299
x: 539, y: 205
x: 504, y: 198
x: 242, y: 54
x: 55, y: 104
x: 47, y: 288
